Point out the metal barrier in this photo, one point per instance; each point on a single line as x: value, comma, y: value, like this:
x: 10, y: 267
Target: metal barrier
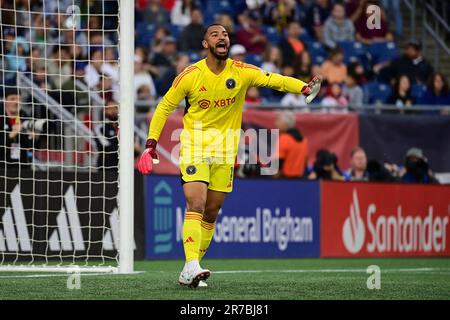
x: 437, y: 27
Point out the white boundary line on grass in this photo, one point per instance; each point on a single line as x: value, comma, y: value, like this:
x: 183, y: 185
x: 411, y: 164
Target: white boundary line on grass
x: 18, y: 276
x: 383, y: 270
x: 393, y: 270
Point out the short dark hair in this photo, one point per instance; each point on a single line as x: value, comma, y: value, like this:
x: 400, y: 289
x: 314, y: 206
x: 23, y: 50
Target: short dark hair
x: 211, y: 25
x: 336, y: 51
x: 11, y: 91
x: 416, y: 44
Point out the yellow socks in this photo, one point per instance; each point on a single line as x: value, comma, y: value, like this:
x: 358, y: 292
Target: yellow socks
x: 192, y: 235
x: 207, y: 230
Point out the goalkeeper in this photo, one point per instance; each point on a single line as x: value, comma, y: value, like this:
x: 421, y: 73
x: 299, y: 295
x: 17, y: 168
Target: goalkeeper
x: 214, y: 89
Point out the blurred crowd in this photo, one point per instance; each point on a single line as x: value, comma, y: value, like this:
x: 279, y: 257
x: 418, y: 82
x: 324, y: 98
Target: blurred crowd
x: 292, y: 157
x: 297, y: 38
x: 74, y: 58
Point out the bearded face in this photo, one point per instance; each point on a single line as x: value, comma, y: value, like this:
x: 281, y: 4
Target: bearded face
x: 217, y: 42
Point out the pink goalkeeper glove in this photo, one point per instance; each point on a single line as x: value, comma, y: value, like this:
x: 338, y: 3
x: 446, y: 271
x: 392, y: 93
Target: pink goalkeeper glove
x: 148, y: 157
x: 312, y: 89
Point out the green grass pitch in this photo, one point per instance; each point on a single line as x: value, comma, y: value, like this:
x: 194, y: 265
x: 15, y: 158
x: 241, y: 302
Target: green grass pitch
x: 286, y: 279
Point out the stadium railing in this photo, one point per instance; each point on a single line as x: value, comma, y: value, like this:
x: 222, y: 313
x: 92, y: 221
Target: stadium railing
x: 69, y: 122
x: 438, y: 28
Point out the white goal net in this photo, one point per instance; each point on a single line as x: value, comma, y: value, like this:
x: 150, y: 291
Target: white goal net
x: 59, y: 135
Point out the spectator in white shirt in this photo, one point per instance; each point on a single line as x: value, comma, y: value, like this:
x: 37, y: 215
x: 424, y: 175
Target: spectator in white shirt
x: 142, y: 79
x: 98, y: 67
x: 181, y: 12
x: 272, y: 59
x: 293, y: 100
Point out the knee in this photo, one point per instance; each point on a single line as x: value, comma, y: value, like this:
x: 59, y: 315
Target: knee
x: 211, y: 212
x: 196, y: 205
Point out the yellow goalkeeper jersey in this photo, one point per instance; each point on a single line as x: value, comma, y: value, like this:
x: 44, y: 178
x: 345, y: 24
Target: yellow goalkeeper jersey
x: 214, y: 104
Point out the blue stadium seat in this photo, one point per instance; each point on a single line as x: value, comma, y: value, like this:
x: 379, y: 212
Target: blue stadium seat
x: 254, y: 59
x: 417, y: 90
x: 221, y: 6
x: 194, y: 56
x: 353, y: 51
x: 306, y: 37
x: 272, y: 34
x: 317, y: 51
x: 377, y: 92
x: 175, y: 30
x: 144, y: 34
x: 267, y: 94
x: 382, y: 52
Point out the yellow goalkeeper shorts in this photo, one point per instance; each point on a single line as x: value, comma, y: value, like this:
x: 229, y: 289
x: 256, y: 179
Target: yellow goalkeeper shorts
x: 219, y: 177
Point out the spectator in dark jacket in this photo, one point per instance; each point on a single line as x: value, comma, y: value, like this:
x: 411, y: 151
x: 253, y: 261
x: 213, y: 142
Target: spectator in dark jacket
x: 318, y: 13
x: 192, y: 35
x: 401, y: 93
x: 417, y: 168
x: 156, y: 14
x: 107, y: 138
x: 291, y: 46
x: 412, y: 63
x: 15, y: 135
x: 326, y: 167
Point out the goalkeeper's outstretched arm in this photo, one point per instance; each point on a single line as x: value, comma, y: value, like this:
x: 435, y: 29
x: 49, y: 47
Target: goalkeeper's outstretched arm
x: 261, y: 78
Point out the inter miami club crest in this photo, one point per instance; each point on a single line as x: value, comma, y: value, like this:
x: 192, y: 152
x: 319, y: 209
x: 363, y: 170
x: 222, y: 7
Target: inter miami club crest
x: 191, y: 170
x: 230, y: 83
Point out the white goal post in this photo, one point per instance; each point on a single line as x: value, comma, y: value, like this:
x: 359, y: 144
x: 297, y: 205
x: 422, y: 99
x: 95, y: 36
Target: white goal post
x: 67, y: 158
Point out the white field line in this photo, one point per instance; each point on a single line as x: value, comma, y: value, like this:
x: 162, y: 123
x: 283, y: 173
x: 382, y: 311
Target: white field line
x: 387, y: 270
x: 55, y: 275
x: 391, y: 270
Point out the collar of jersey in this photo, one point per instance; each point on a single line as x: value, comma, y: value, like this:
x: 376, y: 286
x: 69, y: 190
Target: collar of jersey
x: 210, y: 71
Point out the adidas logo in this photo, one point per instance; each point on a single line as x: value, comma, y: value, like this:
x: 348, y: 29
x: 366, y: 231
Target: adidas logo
x: 202, y: 89
x: 66, y: 235
x: 15, y: 231
x: 188, y: 240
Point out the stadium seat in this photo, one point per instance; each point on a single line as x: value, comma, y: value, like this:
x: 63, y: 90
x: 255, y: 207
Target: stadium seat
x: 382, y: 52
x: 194, y: 56
x: 417, y: 90
x: 306, y: 37
x: 272, y: 34
x: 254, y: 59
x: 353, y: 51
x: 376, y: 92
x: 317, y: 51
x: 176, y: 30
x: 144, y: 34
x: 220, y: 6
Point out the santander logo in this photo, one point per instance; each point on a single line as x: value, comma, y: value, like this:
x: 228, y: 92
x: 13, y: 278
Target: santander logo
x: 353, y: 230
x: 394, y: 232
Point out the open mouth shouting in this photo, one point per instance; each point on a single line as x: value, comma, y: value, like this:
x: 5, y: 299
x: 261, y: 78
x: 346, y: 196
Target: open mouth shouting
x: 221, y: 48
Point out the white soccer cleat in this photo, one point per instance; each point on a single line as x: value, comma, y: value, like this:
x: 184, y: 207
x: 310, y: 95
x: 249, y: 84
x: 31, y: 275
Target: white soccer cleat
x: 192, y: 277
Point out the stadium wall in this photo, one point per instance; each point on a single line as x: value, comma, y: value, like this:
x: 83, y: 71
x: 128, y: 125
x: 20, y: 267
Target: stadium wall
x: 40, y: 221
x: 385, y: 137
x: 261, y: 218
x: 266, y: 218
